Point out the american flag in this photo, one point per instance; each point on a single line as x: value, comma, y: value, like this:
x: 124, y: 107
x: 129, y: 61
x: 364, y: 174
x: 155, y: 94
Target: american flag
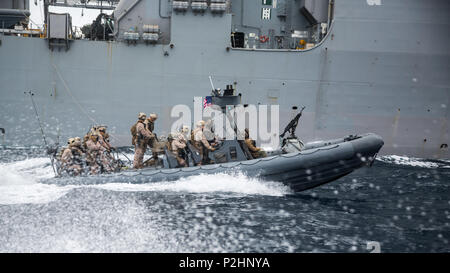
x: 207, y: 101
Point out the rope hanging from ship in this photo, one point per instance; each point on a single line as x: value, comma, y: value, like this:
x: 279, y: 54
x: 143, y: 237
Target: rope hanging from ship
x: 75, y: 100
x: 78, y: 103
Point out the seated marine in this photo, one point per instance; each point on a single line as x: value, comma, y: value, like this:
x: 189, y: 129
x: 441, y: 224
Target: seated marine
x: 209, y: 132
x: 251, y: 144
x: 108, y: 159
x: 104, y: 138
x: 140, y: 137
x: 178, y: 149
x: 94, y: 151
x: 178, y: 145
x: 72, y: 158
x: 156, y: 146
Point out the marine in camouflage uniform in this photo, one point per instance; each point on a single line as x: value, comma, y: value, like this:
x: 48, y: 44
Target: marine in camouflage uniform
x: 72, y: 158
x: 200, y: 142
x: 107, y: 159
x: 251, y: 144
x: 152, y: 142
x: 142, y: 137
x: 178, y: 147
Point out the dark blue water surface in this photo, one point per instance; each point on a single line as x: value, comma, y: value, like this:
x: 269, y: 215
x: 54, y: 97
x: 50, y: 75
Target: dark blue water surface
x: 400, y: 204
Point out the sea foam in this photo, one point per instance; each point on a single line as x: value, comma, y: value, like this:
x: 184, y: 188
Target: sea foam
x: 20, y: 183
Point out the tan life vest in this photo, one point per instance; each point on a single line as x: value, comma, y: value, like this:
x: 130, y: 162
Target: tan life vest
x: 133, y: 131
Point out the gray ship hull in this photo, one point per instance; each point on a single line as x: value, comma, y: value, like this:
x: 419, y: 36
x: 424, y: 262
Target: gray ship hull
x: 381, y: 68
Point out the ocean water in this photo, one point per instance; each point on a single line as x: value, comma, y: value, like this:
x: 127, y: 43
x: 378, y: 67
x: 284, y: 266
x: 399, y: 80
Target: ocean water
x: 401, y: 204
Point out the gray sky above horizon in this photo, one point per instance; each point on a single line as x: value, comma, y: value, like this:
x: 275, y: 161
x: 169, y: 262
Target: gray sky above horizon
x: 80, y: 17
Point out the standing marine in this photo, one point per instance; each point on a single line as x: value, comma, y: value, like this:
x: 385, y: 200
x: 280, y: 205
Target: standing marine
x: 178, y: 147
x: 251, y: 144
x: 141, y: 135
x: 107, y: 158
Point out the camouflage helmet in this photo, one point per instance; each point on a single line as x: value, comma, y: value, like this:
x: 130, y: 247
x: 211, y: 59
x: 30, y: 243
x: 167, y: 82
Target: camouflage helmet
x: 153, y: 116
x: 200, y: 123
x: 142, y: 116
x: 185, y: 129
x: 70, y: 141
x: 93, y: 130
x: 76, y: 141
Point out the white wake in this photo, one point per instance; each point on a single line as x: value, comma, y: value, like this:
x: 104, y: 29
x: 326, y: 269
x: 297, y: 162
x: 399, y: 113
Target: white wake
x: 409, y: 161
x: 20, y: 183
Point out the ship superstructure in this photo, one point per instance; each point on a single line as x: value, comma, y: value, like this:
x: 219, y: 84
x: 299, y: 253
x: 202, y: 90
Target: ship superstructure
x: 357, y: 65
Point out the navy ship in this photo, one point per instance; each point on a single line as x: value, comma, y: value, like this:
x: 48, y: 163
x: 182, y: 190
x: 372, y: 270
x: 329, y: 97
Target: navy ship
x: 357, y: 65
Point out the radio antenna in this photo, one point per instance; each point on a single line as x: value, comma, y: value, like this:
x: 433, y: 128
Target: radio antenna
x: 42, y: 130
